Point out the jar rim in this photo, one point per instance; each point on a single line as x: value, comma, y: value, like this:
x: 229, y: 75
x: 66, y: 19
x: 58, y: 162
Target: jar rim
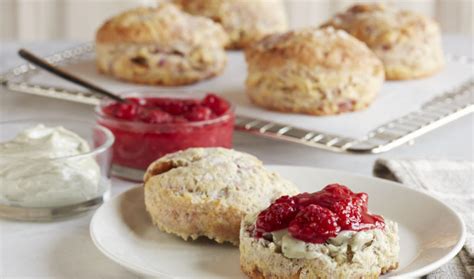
x: 170, y: 94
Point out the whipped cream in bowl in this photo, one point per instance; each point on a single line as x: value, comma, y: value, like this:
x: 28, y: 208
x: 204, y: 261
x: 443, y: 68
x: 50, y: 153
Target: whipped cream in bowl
x: 52, y: 168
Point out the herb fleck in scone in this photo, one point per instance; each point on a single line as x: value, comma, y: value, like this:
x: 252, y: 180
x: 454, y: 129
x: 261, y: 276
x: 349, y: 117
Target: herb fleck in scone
x: 313, y: 71
x: 161, y: 45
x: 244, y: 21
x: 207, y: 192
x: 324, y: 235
x: 408, y: 43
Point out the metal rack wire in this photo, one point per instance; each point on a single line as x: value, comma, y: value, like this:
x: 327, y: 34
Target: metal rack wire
x: 437, y: 112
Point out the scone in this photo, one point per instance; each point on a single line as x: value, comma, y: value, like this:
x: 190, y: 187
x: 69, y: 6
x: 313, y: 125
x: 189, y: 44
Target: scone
x: 408, y: 43
x: 323, y: 235
x: 244, y: 21
x: 312, y: 71
x: 207, y: 191
x: 161, y: 45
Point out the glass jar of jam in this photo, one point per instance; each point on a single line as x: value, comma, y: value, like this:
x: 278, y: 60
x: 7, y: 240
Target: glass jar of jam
x: 153, y: 124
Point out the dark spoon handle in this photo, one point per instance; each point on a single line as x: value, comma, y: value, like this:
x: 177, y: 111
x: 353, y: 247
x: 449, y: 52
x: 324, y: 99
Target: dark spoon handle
x: 45, y: 65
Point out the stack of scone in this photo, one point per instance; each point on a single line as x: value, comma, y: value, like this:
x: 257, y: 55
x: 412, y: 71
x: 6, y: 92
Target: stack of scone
x: 408, y: 43
x: 313, y: 71
x: 207, y: 192
x: 161, y: 45
x: 244, y: 21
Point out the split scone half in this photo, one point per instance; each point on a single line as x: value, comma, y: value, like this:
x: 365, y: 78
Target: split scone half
x: 208, y: 191
x: 244, y: 21
x: 160, y: 45
x: 408, y: 43
x: 312, y: 71
x: 323, y: 235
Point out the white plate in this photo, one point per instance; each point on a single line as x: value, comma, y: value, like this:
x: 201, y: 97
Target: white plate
x: 430, y: 232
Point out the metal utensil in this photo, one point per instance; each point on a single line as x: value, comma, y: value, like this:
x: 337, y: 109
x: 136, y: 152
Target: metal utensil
x: 32, y: 58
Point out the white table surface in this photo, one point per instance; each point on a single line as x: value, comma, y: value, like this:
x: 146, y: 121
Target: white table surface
x: 64, y: 249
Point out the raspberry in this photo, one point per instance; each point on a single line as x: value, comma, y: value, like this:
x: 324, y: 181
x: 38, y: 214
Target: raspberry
x: 126, y: 111
x: 314, y: 224
x: 285, y: 199
x: 155, y: 116
x: 175, y: 107
x: 171, y: 106
x: 370, y: 222
x: 156, y: 102
x: 362, y: 201
x: 338, y: 190
x: 276, y: 217
x: 199, y: 113
x: 216, y: 104
x: 320, y: 198
x: 137, y: 101
x: 315, y: 217
x: 184, y: 110
x: 348, y: 212
x: 304, y: 199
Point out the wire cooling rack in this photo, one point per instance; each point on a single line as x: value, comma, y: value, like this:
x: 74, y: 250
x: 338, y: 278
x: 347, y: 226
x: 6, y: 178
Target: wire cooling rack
x: 435, y: 113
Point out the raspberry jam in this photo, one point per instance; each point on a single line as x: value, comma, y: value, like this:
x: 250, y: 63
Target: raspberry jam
x: 146, y: 127
x: 315, y: 217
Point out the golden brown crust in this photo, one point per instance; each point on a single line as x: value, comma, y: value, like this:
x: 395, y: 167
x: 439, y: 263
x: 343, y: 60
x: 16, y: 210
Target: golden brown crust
x: 312, y: 71
x: 310, y: 47
x: 140, y: 25
x: 408, y: 43
x: 244, y: 21
x: 163, y: 24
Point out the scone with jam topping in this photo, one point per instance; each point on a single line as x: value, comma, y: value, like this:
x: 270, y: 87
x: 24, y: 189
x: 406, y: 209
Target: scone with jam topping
x: 322, y: 235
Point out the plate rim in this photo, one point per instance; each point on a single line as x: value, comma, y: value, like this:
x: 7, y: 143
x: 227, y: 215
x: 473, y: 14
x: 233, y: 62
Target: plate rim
x: 416, y: 273
x: 118, y: 260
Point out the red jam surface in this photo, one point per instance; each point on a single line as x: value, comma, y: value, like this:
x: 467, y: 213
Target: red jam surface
x: 318, y: 216
x: 147, y: 128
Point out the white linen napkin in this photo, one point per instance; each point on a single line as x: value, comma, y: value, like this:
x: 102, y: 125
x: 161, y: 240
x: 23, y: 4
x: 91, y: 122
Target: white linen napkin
x: 449, y: 181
